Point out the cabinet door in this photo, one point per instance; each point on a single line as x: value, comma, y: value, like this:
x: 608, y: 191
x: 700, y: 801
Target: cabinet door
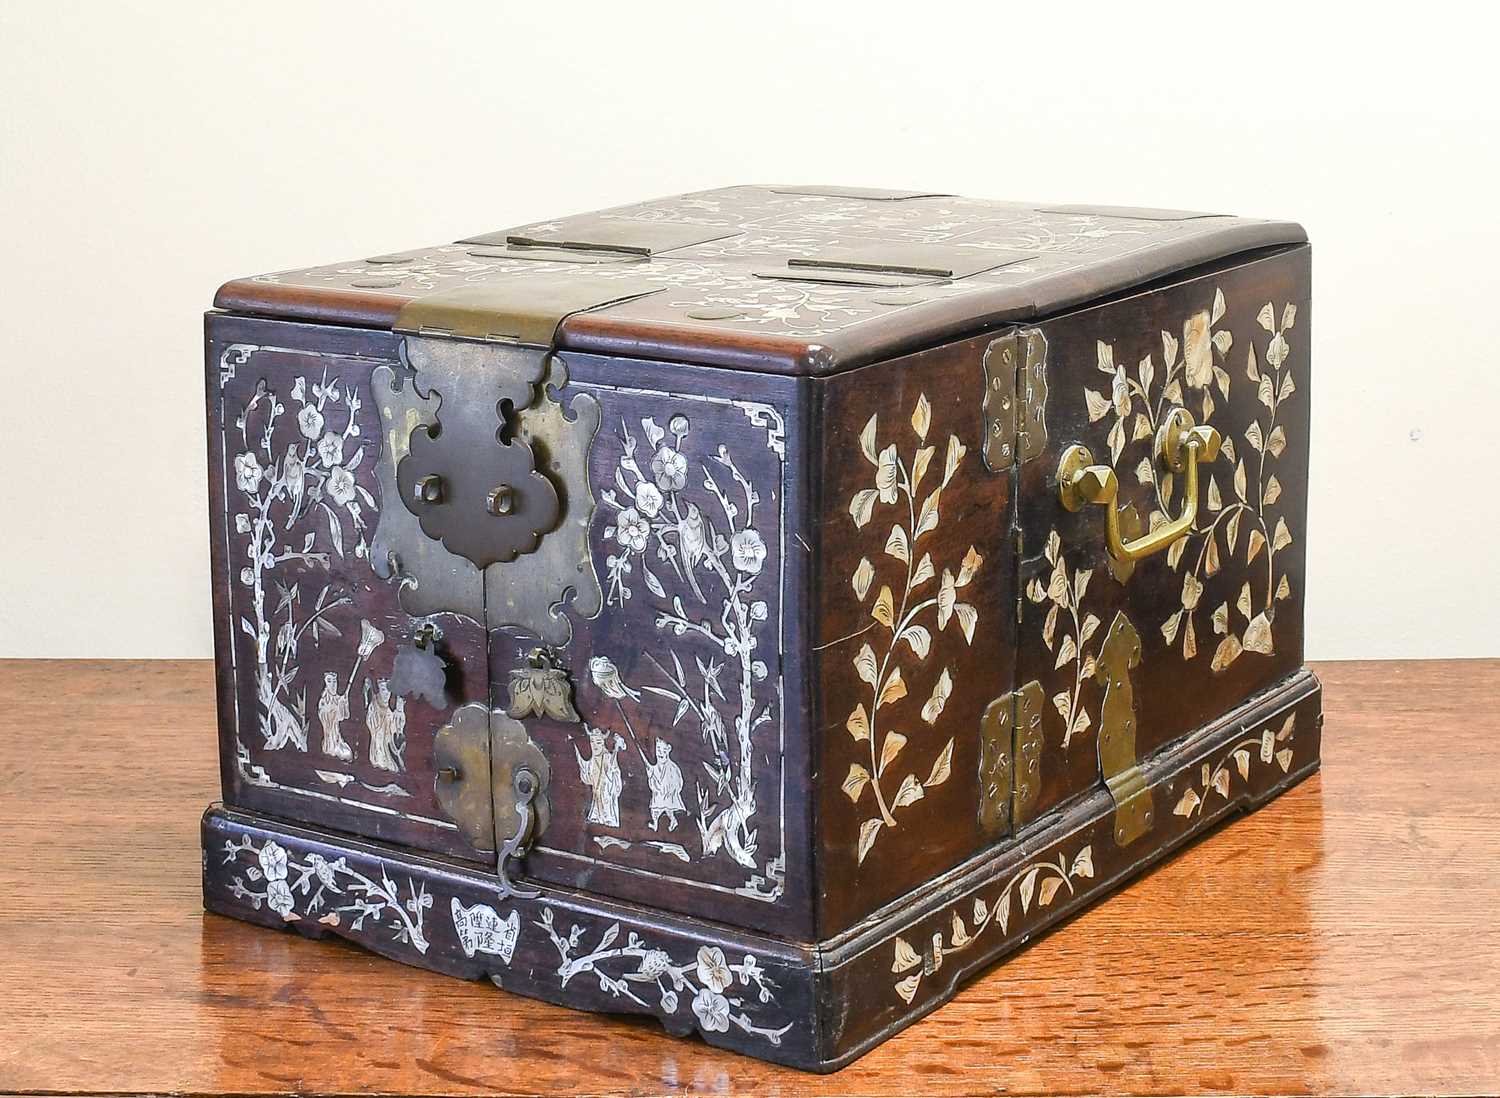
x: 1193, y: 630
x: 314, y: 722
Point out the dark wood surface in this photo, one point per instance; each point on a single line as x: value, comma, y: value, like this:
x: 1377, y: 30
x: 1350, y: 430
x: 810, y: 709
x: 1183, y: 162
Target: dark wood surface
x: 1343, y: 939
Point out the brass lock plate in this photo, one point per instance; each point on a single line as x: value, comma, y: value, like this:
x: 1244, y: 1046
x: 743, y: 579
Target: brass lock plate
x: 477, y: 757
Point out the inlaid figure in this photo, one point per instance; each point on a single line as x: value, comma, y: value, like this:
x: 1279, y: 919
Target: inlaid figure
x: 600, y: 771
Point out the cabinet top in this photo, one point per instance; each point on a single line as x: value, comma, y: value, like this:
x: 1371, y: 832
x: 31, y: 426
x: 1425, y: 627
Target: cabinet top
x: 784, y: 279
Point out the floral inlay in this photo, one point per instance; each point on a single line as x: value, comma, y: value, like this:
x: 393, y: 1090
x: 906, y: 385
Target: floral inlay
x: 332, y: 892
x: 1192, y: 370
x: 1217, y: 778
x: 900, y: 620
x: 686, y: 532
x: 1065, y: 591
x: 1038, y: 882
x: 299, y: 492
x: 716, y: 990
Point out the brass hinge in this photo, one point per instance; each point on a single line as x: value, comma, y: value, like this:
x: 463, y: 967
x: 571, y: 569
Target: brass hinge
x: 1015, y: 399
x: 1118, y: 764
x: 519, y: 310
x: 1010, y: 760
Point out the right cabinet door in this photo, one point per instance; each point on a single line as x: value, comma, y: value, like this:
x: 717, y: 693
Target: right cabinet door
x: 1210, y: 612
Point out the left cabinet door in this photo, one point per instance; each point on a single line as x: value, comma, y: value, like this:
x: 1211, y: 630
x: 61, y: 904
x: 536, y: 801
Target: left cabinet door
x: 315, y: 722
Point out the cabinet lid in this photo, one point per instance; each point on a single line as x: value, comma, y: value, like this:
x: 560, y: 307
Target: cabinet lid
x: 785, y: 279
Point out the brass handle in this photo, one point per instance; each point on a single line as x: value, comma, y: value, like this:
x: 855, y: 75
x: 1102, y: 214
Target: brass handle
x: 1179, y: 445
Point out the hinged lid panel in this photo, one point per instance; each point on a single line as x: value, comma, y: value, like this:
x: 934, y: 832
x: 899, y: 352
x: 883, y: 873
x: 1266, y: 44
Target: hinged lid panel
x: 781, y: 279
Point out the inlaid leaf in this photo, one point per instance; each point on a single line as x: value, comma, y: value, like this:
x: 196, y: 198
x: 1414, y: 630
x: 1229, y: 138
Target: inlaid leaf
x: 1097, y: 405
x: 855, y: 782
x: 864, y: 572
x: 867, y: 441
x: 1265, y: 392
x: 894, y: 742
x: 1282, y: 537
x: 858, y: 723
x: 1173, y: 392
x: 1258, y: 636
x: 980, y: 910
x: 1227, y: 449
x: 971, y: 562
x: 1211, y: 556
x: 1147, y: 372
x: 884, y: 609
x: 1232, y: 530
x: 960, y: 933
x: 867, y: 832
x: 1145, y: 472
x: 862, y: 506
x: 1208, y: 405
x: 1090, y: 624
x: 1081, y: 720
x: 1106, y: 355
x: 1288, y: 316
x: 1057, y: 584
x: 906, y: 956
x: 1254, y: 437
x: 1221, y: 375
x: 1240, y: 488
x: 1062, y: 701
x: 1187, y: 804
x: 942, y: 768
x: 1221, y: 619
x: 968, y: 617
x: 927, y: 517
x: 933, y: 708
x: 909, y: 793
x: 919, y: 465
x: 947, y: 597
x: 1221, y: 782
x: 1189, y: 639
x: 1266, y: 318
x: 1242, y: 762
x: 1283, y: 590
x: 1287, y: 726
x: 907, y: 988
x: 1257, y: 542
x: 894, y: 689
x: 956, y: 452
x: 1142, y: 428
x: 896, y: 545
x: 1273, y: 488
x: 1169, y: 348
x: 1174, y: 554
x: 1286, y: 388
x: 1276, y: 443
x: 1053, y: 546
x: 1223, y: 340
x: 1002, y: 911
x: 1028, y: 887
x: 1267, y: 745
x: 1048, y: 890
x: 1227, y: 652
x: 1242, y: 604
x: 1192, y: 591
x: 1067, y: 651
x: 1170, y: 626
x: 1252, y: 368
x: 1284, y: 759
x: 1116, y: 441
x: 1049, y: 627
x: 1215, y: 501
x: 866, y: 664
x: 919, y: 638
x: 921, y: 417
x: 1218, y: 309
x: 923, y: 572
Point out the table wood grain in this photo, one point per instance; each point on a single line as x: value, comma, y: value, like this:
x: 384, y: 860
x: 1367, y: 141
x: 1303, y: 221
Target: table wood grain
x: 1346, y: 938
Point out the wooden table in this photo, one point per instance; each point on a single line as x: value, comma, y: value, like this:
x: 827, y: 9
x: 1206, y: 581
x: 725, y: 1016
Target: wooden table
x: 1346, y: 938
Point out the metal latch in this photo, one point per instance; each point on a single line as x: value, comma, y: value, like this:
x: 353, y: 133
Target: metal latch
x: 1015, y: 398
x: 491, y: 780
x: 609, y: 234
x: 1010, y: 760
x: 1117, y: 727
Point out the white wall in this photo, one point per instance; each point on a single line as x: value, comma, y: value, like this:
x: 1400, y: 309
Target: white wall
x: 150, y: 151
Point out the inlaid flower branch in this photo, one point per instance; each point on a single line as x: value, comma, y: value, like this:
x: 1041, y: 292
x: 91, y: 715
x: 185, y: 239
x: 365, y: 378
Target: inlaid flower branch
x: 1065, y: 592
x: 332, y: 891
x: 1040, y: 881
x: 631, y: 969
x: 1217, y: 778
x: 900, y: 621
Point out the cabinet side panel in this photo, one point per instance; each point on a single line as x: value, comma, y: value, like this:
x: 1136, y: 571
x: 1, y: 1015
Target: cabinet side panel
x: 915, y: 621
x: 1218, y: 615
